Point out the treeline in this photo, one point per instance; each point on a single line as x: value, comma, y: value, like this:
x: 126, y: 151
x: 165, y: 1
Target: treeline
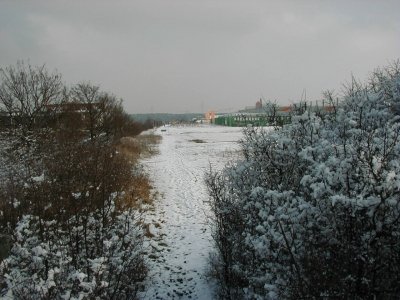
x: 67, y: 202
x: 312, y: 211
x: 163, y: 118
x: 32, y: 98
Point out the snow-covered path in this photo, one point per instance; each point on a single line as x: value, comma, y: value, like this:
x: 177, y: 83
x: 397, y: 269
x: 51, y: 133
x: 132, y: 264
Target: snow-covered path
x: 182, y: 242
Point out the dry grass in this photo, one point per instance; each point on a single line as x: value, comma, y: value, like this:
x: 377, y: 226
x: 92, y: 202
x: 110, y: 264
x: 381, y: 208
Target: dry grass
x: 149, y: 143
x: 129, y: 148
x: 141, y: 193
x: 141, y: 190
x: 147, y: 231
x: 134, y: 148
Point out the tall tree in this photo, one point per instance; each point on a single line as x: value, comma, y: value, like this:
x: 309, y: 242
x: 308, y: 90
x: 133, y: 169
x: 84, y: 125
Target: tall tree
x: 27, y: 94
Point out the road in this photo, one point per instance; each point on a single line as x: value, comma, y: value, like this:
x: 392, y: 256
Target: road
x: 180, y: 239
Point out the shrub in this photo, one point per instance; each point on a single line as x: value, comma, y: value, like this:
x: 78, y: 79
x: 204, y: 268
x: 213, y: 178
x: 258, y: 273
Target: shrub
x: 313, y: 209
x: 48, y: 261
x: 67, y: 200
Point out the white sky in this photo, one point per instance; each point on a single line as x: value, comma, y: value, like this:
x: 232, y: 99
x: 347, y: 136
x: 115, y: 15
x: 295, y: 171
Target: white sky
x: 194, y: 55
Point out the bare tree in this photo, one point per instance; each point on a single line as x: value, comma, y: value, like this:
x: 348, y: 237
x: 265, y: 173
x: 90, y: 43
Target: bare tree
x: 272, y: 108
x: 101, y: 112
x: 27, y: 94
x: 89, y: 96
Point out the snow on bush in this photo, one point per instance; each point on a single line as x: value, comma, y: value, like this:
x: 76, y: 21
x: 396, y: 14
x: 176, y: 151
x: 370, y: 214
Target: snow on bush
x: 313, y: 209
x: 66, y: 196
x: 95, y: 258
x: 74, y: 238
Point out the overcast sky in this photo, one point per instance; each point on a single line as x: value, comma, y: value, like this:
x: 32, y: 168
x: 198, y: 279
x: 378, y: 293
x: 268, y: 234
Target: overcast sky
x: 195, y: 55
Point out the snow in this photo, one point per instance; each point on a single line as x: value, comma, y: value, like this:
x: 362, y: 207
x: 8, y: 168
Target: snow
x: 181, y: 239
x: 38, y: 179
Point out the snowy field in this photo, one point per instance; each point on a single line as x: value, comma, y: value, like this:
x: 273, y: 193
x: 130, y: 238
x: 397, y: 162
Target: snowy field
x: 182, y: 241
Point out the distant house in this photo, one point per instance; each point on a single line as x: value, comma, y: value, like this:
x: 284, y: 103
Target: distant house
x: 5, y: 119
x: 278, y: 115
x: 258, y: 108
x: 49, y: 115
x: 209, y: 116
x: 74, y: 107
x: 259, y: 104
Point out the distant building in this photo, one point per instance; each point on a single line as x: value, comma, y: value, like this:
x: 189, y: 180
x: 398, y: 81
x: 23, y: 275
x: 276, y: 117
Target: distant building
x: 210, y: 116
x: 271, y: 115
x: 259, y: 104
x: 258, y: 108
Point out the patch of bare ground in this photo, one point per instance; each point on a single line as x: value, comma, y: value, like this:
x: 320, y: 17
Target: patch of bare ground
x: 198, y: 141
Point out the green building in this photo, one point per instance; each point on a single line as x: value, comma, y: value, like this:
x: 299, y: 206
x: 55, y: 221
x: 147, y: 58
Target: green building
x: 252, y: 119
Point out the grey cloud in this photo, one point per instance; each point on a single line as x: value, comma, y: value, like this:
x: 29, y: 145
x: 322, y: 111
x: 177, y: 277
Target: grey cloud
x: 182, y: 55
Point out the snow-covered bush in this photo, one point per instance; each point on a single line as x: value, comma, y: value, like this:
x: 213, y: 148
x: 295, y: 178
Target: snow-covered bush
x: 47, y: 262
x: 67, y: 204
x: 313, y: 209
x: 73, y: 238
